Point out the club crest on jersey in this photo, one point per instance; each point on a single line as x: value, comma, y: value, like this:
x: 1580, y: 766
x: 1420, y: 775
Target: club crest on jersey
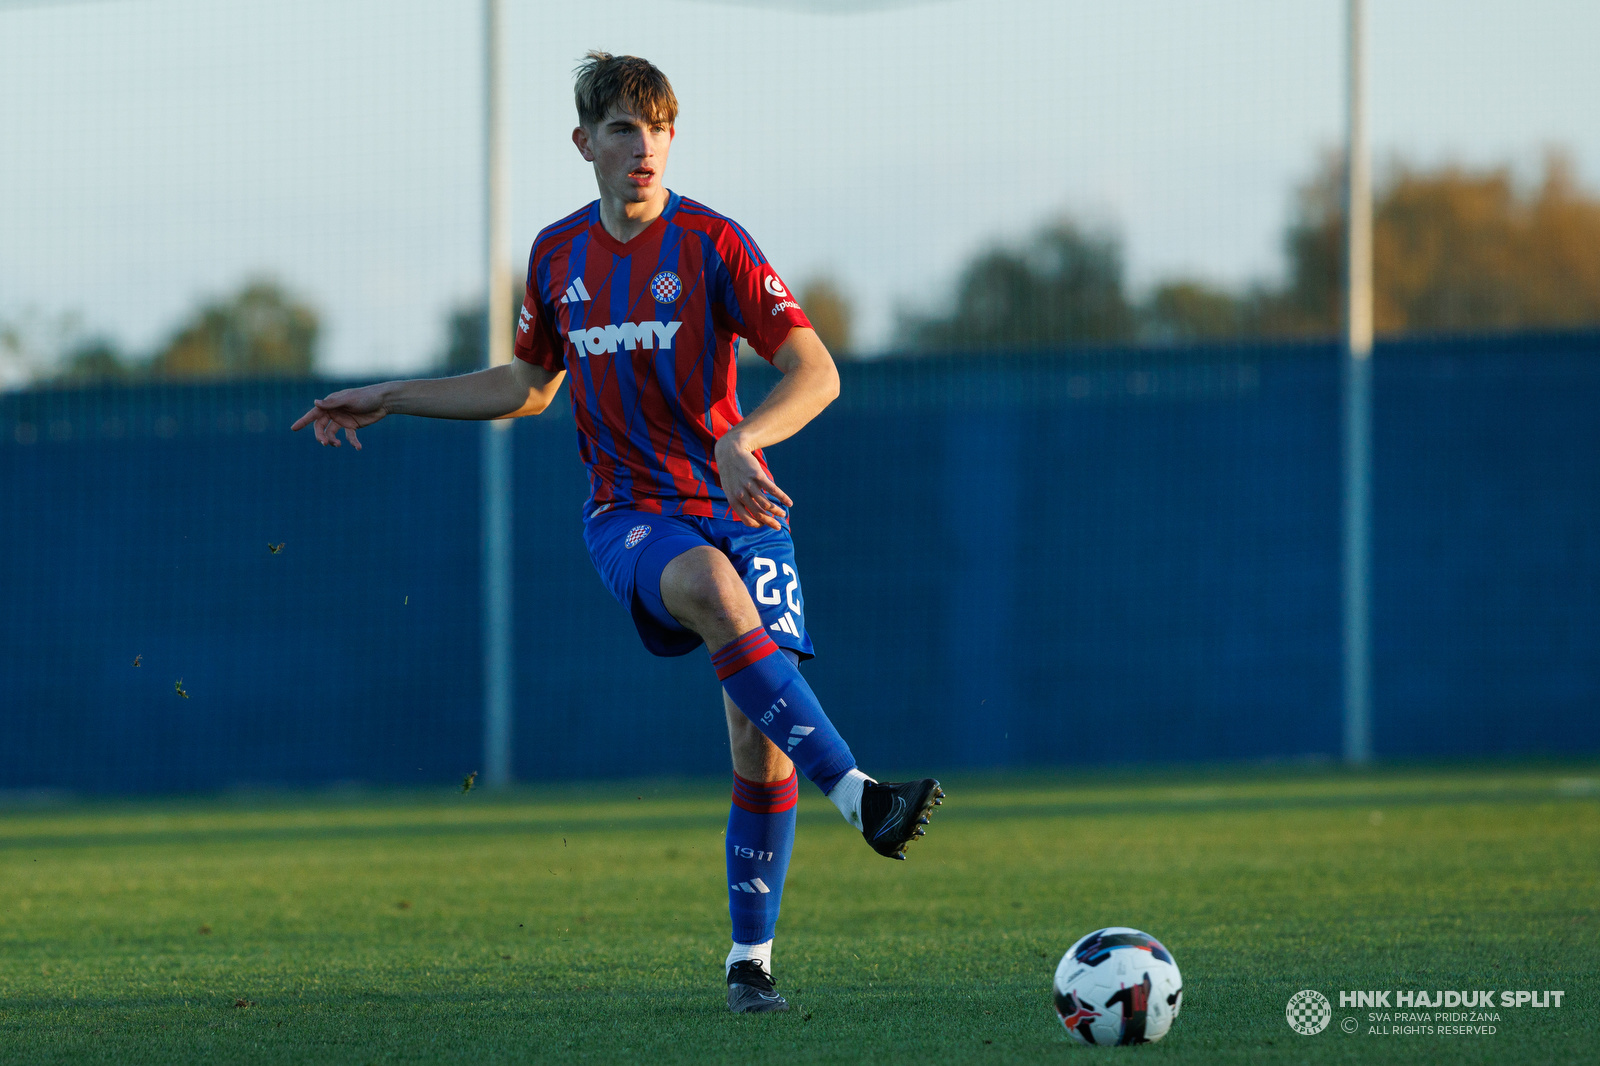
x: 666, y: 287
x: 635, y: 535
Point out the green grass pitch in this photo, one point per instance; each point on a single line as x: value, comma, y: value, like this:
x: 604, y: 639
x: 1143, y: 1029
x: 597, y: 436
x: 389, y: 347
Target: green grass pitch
x: 587, y: 924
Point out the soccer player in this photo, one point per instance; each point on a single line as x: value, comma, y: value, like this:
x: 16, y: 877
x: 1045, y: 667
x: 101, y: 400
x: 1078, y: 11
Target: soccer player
x: 641, y: 298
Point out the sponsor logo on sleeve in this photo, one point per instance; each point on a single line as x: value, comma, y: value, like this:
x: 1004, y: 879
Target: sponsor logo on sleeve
x: 775, y: 287
x: 524, y: 321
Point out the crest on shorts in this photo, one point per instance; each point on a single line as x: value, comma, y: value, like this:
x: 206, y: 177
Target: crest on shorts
x: 666, y: 287
x: 635, y: 535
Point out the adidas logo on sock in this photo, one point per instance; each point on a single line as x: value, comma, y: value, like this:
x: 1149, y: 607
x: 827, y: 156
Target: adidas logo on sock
x: 576, y: 293
x: 799, y: 733
x: 786, y: 624
x: 755, y: 885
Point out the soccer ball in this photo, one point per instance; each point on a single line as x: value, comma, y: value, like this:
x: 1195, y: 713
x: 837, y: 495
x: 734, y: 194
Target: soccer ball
x: 1118, y: 986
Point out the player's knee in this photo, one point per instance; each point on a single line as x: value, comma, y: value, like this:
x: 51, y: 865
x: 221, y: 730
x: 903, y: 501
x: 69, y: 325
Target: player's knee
x: 703, y: 585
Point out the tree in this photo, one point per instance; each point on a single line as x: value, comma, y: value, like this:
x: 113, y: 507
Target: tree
x: 1454, y: 250
x: 261, y: 331
x: 464, y: 338
x: 96, y: 360
x: 1064, y: 286
x: 1190, y: 310
x: 830, y: 314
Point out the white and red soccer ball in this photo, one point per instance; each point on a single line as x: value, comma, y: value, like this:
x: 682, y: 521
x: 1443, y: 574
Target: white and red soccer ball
x: 1118, y: 986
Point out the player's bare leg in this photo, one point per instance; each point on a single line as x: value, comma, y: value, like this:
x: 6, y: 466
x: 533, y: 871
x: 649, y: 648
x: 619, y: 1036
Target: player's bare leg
x: 704, y: 592
x: 755, y: 758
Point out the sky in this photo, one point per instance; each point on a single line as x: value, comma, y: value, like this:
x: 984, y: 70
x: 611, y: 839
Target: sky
x: 155, y: 153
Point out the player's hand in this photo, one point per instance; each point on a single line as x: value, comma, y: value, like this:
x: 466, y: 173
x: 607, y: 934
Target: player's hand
x: 347, y: 409
x: 752, y: 496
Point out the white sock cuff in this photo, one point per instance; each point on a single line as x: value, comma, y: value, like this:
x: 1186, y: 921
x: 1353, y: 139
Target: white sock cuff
x: 762, y: 953
x: 846, y: 795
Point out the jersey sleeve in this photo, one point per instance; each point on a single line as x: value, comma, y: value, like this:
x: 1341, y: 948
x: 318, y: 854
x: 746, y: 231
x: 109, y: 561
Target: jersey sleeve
x: 537, y: 341
x: 754, y: 297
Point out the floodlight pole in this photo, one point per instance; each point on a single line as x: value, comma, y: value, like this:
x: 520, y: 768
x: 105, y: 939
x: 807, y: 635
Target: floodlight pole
x: 1357, y: 404
x: 496, y: 460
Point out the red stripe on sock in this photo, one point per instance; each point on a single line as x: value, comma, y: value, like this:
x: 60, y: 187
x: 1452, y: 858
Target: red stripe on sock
x: 740, y: 643
x: 766, y: 797
x: 736, y: 655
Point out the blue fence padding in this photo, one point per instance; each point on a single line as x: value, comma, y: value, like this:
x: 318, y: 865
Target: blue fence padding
x: 1007, y: 560
x: 1487, y: 547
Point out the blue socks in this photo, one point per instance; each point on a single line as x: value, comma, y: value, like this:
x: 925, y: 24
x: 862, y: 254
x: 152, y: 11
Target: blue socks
x: 760, y: 838
x: 768, y: 688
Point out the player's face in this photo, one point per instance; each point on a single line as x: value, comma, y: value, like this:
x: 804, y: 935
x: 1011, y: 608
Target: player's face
x: 629, y: 154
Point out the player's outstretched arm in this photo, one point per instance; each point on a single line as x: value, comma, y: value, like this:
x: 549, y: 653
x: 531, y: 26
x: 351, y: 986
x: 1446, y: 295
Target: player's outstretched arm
x: 810, y: 382
x: 499, y: 392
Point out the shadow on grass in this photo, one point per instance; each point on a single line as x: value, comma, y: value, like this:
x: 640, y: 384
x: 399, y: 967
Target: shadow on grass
x: 561, y: 823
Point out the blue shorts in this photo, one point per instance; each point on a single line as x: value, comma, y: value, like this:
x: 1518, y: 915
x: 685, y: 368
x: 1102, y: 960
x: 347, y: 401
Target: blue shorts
x: 631, y: 549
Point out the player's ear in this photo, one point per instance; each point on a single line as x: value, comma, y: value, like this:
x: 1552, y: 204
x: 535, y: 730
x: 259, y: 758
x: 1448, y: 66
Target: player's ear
x: 580, y: 137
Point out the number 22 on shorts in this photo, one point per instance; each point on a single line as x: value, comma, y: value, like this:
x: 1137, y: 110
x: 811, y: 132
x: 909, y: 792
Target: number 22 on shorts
x: 770, y: 596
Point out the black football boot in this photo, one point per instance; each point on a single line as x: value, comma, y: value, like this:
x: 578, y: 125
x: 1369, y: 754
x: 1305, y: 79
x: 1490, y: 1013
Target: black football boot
x: 892, y: 815
x: 750, y: 989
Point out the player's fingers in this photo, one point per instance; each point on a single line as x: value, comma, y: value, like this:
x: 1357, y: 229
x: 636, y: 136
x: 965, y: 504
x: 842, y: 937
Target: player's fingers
x: 750, y: 502
x: 304, y: 420
x: 741, y: 511
x: 765, y: 505
x: 771, y: 489
x: 350, y: 435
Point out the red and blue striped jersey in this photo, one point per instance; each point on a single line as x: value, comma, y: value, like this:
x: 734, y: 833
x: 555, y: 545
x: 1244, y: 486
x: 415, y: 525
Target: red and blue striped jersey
x: 649, y: 333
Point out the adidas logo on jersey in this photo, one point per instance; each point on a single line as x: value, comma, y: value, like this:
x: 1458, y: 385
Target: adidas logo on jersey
x: 629, y: 335
x: 576, y: 293
x: 786, y: 624
x: 799, y: 733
